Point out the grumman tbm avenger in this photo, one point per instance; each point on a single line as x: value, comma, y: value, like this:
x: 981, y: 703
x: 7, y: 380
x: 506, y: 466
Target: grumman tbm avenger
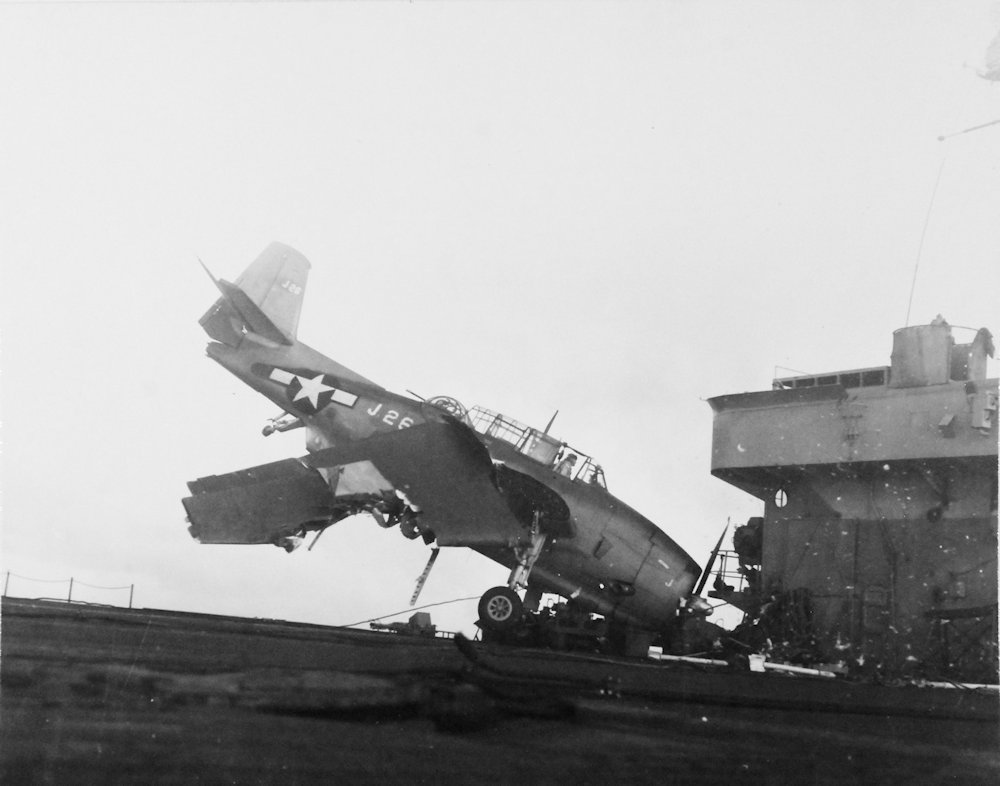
x: 448, y: 475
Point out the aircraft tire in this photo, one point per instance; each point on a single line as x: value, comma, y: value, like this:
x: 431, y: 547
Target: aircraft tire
x: 408, y: 526
x: 500, y: 609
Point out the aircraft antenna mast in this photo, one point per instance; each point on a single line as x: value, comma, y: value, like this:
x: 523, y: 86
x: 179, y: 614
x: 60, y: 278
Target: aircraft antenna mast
x: 920, y: 247
x: 943, y: 137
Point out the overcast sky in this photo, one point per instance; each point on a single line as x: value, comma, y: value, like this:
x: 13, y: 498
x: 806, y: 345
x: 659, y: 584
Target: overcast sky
x: 616, y: 210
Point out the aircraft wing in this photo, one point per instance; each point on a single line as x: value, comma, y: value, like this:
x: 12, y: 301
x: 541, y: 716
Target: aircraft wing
x: 259, y: 505
x: 441, y: 467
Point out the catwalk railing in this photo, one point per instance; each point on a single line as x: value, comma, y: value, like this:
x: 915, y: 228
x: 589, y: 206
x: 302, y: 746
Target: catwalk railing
x: 71, y: 582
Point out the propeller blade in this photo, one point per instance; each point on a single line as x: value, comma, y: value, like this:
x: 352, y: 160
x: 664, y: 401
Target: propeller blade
x: 711, y: 561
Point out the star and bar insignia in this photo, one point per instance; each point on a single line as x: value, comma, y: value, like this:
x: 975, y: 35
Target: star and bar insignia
x: 311, y: 391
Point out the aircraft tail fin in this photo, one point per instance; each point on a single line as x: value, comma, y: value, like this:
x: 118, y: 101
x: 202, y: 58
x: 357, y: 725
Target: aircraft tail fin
x: 266, y: 299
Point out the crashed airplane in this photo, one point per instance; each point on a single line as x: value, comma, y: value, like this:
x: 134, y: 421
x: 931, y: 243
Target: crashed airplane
x: 448, y: 475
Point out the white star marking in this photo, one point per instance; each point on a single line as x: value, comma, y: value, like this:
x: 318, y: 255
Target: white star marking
x: 311, y: 389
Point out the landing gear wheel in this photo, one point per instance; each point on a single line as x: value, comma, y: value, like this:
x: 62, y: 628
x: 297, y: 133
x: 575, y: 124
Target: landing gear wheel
x: 499, y: 609
x: 408, y: 526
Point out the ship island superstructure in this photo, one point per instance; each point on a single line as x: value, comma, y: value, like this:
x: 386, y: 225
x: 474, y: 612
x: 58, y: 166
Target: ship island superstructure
x: 878, y: 544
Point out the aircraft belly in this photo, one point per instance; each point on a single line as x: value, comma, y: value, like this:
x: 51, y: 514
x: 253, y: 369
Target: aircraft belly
x: 570, y: 574
x: 658, y: 573
x: 360, y: 477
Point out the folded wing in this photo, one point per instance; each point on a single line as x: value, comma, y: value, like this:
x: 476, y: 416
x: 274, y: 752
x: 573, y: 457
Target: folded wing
x: 440, y: 468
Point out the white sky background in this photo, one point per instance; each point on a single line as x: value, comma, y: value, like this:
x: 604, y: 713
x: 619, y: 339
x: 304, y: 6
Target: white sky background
x: 616, y: 210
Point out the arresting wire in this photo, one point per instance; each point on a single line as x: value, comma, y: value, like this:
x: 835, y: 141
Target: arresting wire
x: 410, y: 610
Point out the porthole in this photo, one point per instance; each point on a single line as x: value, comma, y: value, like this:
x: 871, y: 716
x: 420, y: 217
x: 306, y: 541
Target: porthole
x: 780, y: 498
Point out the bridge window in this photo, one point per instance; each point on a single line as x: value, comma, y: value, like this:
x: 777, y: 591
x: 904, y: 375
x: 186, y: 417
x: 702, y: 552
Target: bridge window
x: 864, y: 378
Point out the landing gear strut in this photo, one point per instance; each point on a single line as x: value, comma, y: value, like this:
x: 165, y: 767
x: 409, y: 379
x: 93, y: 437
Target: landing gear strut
x: 500, y: 609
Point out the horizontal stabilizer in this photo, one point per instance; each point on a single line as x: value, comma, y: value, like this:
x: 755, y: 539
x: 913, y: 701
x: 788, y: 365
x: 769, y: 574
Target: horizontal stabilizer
x: 253, y: 318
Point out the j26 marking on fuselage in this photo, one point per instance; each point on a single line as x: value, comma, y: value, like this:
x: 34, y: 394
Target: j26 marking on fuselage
x: 391, y: 417
x: 292, y: 287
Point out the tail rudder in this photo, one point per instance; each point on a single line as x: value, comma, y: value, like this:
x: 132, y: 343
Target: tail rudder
x: 266, y: 299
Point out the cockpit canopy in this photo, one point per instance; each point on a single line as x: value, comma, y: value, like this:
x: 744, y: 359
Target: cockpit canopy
x: 538, y: 445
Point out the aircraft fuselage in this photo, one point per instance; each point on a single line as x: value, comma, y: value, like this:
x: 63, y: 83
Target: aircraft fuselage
x: 450, y: 476
x: 612, y: 561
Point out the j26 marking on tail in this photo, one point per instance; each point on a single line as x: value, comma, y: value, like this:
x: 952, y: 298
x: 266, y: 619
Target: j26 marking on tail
x: 391, y: 417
